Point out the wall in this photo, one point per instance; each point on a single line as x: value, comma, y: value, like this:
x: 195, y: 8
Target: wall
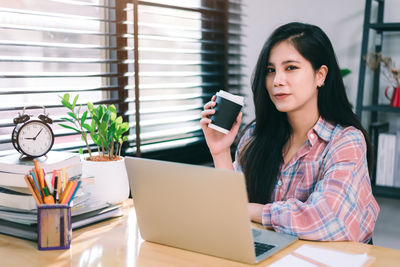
x: 342, y: 20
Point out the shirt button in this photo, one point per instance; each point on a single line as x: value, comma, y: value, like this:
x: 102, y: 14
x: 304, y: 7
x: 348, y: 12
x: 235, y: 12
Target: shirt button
x: 279, y: 182
x: 312, y: 136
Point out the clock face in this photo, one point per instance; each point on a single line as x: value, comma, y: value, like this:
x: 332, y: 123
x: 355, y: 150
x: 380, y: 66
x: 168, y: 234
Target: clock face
x: 35, y: 138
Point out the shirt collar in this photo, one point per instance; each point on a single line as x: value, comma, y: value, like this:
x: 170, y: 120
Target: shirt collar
x: 323, y: 129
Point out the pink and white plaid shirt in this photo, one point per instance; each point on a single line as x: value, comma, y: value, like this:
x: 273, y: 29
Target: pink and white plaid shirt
x: 324, y: 193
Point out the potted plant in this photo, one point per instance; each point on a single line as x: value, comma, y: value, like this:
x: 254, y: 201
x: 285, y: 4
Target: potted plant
x: 106, y: 130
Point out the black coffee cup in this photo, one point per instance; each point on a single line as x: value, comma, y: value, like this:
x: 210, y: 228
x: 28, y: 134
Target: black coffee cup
x: 226, y: 110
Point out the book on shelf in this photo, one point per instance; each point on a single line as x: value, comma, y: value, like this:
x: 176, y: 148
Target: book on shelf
x: 53, y: 160
x: 375, y: 129
x: 396, y: 172
x: 388, y: 159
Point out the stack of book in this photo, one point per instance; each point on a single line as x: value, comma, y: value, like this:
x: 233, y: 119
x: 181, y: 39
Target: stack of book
x: 23, y: 224
x: 14, y: 192
x: 18, y: 211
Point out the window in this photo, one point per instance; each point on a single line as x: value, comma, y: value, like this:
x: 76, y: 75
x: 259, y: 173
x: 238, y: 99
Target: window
x: 157, y: 61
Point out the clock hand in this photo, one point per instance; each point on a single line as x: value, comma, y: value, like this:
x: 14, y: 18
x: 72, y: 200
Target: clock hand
x: 34, y: 138
x: 29, y: 138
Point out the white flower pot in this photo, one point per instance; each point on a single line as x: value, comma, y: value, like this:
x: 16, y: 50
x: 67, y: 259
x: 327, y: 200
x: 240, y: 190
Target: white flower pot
x: 111, y: 180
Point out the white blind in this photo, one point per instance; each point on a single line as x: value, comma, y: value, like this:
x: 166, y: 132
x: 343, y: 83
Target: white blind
x: 157, y: 61
x: 186, y: 51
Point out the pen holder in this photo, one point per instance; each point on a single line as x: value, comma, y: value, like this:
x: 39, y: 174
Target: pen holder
x: 54, y: 227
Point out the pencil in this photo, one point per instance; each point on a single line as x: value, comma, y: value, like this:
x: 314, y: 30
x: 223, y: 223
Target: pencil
x: 55, y: 195
x: 65, y: 179
x: 67, y: 199
x: 73, y: 194
x: 32, y: 191
x: 66, y: 192
x: 36, y: 183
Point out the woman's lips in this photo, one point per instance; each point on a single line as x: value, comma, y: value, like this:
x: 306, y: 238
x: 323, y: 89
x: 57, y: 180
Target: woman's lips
x: 281, y: 96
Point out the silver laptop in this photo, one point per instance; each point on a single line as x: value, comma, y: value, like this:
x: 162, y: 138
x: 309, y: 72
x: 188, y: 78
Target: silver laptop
x: 198, y: 208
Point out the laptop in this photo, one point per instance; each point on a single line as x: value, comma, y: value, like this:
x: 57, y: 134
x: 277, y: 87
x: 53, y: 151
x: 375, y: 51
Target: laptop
x: 198, y: 208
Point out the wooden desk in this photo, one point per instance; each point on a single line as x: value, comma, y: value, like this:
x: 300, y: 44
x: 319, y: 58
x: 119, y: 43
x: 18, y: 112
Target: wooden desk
x: 117, y: 243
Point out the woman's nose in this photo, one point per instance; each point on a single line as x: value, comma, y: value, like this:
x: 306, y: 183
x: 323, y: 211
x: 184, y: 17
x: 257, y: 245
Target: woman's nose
x: 279, y: 78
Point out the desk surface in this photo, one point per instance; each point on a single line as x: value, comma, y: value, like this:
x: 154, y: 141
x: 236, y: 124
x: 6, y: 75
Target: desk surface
x: 117, y: 242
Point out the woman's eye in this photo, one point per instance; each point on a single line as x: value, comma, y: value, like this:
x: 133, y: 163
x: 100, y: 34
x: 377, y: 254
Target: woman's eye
x: 270, y: 70
x: 291, y: 68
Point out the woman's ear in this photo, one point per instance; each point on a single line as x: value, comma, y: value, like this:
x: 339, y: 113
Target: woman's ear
x: 321, y: 75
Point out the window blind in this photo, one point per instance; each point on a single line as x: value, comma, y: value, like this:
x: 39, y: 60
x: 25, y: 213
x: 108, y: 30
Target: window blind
x: 157, y: 61
x: 48, y: 48
x: 185, y: 52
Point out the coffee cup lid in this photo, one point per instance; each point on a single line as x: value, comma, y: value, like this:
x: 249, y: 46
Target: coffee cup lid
x: 234, y: 98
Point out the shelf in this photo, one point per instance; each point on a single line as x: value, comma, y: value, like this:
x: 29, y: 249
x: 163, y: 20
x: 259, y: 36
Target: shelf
x: 386, y: 191
x: 377, y: 24
x: 385, y: 26
x: 382, y: 108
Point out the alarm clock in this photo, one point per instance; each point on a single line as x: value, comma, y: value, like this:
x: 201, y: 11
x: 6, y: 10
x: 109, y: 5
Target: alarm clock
x: 32, y: 137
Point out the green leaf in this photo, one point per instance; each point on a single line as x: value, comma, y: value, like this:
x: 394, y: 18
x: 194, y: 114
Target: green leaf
x: 90, y: 106
x: 119, y: 120
x: 66, y: 104
x: 113, y: 115
x: 80, y: 150
x: 75, y: 100
x: 71, y: 114
x: 95, y: 138
x: 103, y: 128
x: 107, y: 117
x: 125, y: 126
x: 66, y: 97
x: 93, y: 125
x: 84, y: 116
x: 345, y: 72
x: 87, y: 127
x: 67, y: 119
x: 69, y: 127
x: 112, y: 108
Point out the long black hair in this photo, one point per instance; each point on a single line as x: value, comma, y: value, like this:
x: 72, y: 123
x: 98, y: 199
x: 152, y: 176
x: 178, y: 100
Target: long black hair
x: 261, y: 156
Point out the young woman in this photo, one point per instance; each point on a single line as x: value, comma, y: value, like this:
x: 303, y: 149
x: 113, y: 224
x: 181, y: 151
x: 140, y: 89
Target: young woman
x: 305, y: 156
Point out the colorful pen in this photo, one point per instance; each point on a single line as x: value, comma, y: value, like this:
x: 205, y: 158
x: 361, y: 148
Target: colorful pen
x: 55, y: 195
x: 74, y: 193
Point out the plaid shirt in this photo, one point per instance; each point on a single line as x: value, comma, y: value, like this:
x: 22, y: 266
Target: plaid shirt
x: 324, y: 193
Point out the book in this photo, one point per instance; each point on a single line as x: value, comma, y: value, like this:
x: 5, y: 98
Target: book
x: 380, y: 161
x: 386, y: 159
x: 396, y: 174
x: 389, y: 163
x: 17, y: 179
x: 89, y: 218
x: 53, y: 160
x: 375, y: 129
x: 18, y: 200
x: 24, y: 231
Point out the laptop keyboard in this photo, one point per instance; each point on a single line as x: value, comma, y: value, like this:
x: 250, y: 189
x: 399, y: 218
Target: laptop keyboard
x: 262, y: 248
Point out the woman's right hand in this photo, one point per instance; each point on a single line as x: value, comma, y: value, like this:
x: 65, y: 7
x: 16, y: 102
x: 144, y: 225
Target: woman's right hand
x: 217, y: 142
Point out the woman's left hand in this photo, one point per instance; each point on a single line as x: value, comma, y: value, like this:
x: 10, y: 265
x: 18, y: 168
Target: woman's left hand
x: 255, y: 212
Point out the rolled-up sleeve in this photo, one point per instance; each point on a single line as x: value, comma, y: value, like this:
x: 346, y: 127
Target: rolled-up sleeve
x: 341, y: 206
